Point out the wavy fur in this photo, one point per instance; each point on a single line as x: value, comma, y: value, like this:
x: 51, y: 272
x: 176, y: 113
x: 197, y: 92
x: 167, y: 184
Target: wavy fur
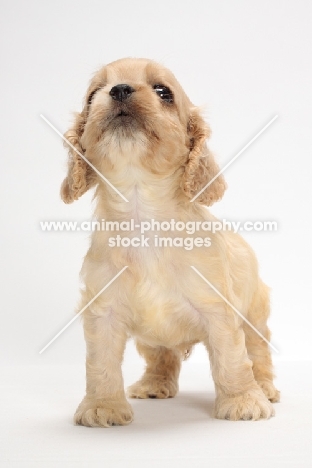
x: 155, y: 153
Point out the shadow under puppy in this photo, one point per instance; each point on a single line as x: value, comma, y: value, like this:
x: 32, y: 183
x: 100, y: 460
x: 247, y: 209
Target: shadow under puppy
x: 139, y: 129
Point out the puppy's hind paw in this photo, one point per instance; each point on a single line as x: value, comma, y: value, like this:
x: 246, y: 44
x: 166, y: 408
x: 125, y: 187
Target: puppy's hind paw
x: 270, y: 391
x: 252, y: 405
x: 153, y: 386
x: 103, y: 413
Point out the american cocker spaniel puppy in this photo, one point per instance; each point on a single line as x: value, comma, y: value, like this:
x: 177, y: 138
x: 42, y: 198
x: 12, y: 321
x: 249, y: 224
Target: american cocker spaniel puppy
x: 142, y: 133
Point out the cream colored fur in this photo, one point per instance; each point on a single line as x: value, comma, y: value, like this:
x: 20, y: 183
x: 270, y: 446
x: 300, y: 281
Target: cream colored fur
x: 158, y: 159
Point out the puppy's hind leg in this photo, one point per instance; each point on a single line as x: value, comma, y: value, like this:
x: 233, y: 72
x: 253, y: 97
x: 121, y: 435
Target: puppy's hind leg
x: 258, y: 350
x: 160, y: 379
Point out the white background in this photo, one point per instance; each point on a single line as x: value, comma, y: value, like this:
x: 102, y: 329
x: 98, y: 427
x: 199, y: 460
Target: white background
x: 244, y: 61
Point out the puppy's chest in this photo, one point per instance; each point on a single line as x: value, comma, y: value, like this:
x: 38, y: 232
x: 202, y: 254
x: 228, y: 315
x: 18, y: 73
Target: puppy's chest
x: 166, y: 323
x: 162, y: 313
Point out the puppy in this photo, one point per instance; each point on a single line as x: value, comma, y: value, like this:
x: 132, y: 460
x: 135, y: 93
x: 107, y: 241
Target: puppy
x: 141, y: 132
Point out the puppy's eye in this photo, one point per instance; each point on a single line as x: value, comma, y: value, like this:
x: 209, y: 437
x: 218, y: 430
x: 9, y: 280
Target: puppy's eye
x: 91, y: 95
x: 163, y: 92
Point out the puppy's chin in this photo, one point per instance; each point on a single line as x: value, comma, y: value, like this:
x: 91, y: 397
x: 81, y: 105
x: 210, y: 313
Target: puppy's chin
x: 118, y: 124
x: 122, y: 143
x: 132, y: 132
x: 125, y: 124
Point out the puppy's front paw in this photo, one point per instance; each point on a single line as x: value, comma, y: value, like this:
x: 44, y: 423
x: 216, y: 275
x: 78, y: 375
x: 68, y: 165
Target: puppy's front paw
x: 270, y: 391
x: 103, y: 413
x: 250, y: 405
x: 153, y: 386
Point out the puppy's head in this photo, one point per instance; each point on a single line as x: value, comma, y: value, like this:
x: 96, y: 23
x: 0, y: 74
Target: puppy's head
x: 136, y: 112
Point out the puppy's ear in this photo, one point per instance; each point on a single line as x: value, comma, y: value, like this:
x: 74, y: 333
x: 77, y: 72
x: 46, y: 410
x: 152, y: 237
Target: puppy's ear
x: 201, y: 166
x: 80, y: 176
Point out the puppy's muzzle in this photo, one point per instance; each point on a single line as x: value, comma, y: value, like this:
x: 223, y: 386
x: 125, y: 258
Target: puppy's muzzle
x: 121, y: 92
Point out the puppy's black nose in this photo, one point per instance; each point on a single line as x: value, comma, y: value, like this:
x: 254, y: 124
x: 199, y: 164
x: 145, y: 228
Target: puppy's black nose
x: 121, y: 92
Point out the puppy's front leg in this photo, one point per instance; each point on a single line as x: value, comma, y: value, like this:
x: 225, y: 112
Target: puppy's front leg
x: 238, y: 394
x: 105, y: 402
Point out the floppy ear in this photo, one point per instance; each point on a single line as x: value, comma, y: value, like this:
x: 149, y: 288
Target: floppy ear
x: 201, y: 166
x: 80, y: 176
